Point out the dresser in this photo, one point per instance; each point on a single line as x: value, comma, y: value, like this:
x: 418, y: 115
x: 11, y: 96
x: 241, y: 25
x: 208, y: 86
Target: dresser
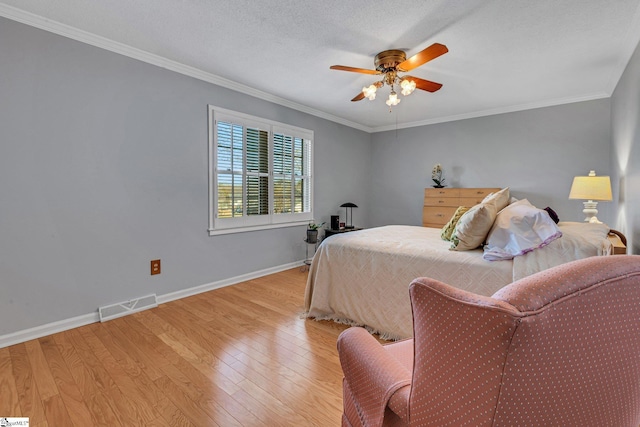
x: 441, y: 203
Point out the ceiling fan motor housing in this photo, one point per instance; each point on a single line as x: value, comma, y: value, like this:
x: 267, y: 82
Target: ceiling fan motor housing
x: 389, y: 59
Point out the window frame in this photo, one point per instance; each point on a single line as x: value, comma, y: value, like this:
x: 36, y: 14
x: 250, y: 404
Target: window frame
x: 272, y: 219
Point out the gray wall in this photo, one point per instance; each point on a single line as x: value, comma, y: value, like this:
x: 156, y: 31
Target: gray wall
x: 103, y: 167
x: 536, y: 153
x: 625, y: 151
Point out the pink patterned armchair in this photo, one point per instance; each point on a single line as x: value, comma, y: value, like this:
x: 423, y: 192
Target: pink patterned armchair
x: 558, y: 348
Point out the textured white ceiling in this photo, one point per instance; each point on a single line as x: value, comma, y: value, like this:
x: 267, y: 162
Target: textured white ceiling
x: 504, y: 55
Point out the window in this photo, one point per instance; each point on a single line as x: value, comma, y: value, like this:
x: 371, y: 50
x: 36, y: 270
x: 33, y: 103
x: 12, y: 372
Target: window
x: 260, y: 173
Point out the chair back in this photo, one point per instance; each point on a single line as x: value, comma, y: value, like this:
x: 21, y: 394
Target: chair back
x: 561, y: 347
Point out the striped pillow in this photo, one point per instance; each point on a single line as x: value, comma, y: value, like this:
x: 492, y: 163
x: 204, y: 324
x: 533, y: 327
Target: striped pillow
x: 448, y: 229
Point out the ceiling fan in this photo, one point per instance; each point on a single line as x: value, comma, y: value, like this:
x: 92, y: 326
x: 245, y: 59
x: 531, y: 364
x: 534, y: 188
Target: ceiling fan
x: 391, y: 62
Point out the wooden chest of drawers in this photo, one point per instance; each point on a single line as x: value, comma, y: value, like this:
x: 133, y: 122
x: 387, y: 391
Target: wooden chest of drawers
x: 441, y: 203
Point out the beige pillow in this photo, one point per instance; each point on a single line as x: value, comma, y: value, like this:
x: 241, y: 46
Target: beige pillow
x: 448, y: 229
x: 473, y: 227
x: 500, y: 199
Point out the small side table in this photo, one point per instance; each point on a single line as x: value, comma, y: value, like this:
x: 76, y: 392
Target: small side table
x: 310, y: 252
x: 330, y: 232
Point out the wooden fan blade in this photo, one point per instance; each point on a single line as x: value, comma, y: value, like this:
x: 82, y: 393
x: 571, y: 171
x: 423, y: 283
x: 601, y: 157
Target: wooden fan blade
x: 360, y: 97
x: 354, y: 70
x: 423, y: 84
x: 423, y: 57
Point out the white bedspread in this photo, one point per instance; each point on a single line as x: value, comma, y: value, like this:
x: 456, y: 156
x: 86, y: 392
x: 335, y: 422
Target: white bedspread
x: 362, y: 277
x: 579, y: 240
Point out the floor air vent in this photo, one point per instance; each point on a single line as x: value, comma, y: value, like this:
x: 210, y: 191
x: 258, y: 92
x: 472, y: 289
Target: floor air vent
x: 113, y: 311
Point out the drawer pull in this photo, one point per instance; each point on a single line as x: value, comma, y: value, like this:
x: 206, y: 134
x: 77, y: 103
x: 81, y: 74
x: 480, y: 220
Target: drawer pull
x: 439, y: 214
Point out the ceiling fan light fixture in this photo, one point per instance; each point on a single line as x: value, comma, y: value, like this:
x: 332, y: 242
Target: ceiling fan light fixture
x: 393, y: 99
x: 370, y: 92
x: 408, y: 86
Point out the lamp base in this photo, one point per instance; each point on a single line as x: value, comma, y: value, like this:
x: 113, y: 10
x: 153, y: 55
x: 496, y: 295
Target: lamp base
x: 590, y: 211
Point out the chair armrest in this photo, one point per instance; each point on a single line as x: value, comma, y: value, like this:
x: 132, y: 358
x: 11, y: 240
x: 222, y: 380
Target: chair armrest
x: 466, y: 297
x: 373, y: 375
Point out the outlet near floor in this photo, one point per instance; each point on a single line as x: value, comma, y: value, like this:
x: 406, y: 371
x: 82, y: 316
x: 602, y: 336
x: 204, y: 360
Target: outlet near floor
x: 155, y: 267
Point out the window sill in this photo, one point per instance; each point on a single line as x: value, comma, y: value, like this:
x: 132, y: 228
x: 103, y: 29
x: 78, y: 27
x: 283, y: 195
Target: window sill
x: 216, y: 232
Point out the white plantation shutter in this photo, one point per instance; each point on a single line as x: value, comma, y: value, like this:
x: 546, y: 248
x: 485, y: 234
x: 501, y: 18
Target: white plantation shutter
x: 260, y: 172
x: 257, y: 196
x: 282, y: 173
x: 291, y: 173
x: 304, y: 178
x: 229, y: 170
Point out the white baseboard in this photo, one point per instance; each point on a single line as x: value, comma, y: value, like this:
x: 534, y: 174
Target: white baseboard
x: 225, y: 282
x: 48, y: 329
x: 85, y: 319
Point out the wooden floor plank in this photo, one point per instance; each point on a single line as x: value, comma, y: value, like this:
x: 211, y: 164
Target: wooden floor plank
x: 10, y: 401
x: 199, y: 360
x: 140, y: 411
x: 262, y: 411
x: 236, y: 356
x: 131, y: 342
x: 101, y: 409
x: 69, y: 391
x: 166, y: 410
x: 180, y: 399
x: 41, y: 371
x: 30, y: 400
x: 216, y: 341
x: 56, y: 411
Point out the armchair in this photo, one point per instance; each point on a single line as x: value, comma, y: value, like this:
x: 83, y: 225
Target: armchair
x: 560, y: 347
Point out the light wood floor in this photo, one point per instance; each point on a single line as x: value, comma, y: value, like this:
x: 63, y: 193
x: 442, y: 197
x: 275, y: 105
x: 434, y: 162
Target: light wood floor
x: 236, y: 356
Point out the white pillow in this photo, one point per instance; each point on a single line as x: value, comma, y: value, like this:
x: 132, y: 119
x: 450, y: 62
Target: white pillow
x: 519, y: 228
x: 472, y: 228
x: 500, y: 199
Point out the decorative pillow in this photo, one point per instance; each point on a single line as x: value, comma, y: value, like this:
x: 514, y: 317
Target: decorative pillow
x: 500, y: 199
x: 448, y: 229
x: 519, y: 228
x: 473, y: 227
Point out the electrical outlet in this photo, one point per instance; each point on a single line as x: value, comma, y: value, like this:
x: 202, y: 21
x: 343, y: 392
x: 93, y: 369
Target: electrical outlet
x: 155, y: 267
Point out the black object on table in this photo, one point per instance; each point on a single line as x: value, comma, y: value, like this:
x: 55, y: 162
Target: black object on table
x: 330, y: 232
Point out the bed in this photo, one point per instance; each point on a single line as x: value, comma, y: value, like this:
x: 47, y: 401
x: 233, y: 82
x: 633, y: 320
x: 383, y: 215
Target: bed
x: 362, y: 277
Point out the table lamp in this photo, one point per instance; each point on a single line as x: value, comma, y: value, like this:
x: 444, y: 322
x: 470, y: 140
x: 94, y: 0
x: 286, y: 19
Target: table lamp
x: 591, y: 188
x: 348, y: 210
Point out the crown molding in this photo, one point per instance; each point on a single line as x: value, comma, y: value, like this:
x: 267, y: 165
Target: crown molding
x: 494, y: 111
x: 86, y: 37
x: 73, y: 33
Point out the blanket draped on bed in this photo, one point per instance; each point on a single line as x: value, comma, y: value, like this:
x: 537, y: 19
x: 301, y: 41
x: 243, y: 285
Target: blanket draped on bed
x: 362, y: 278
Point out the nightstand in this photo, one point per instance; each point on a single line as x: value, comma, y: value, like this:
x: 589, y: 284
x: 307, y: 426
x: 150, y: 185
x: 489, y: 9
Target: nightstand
x: 330, y: 232
x: 619, y: 245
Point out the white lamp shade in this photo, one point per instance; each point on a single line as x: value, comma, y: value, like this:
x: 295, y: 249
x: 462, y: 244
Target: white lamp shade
x: 591, y: 188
